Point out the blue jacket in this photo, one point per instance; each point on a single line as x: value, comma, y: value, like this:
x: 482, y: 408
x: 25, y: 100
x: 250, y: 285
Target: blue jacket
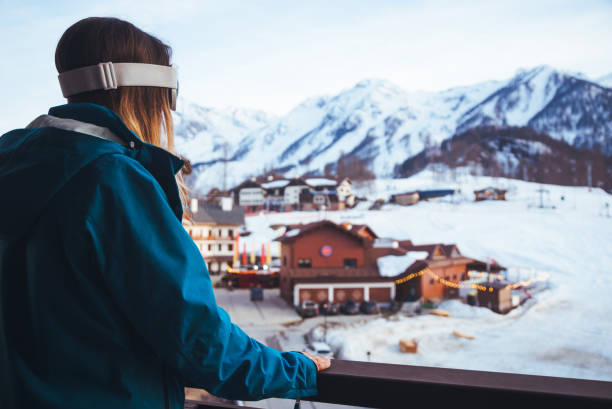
x: 105, y: 301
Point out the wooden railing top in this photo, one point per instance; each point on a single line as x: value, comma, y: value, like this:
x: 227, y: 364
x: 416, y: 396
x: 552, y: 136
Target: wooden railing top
x: 377, y: 385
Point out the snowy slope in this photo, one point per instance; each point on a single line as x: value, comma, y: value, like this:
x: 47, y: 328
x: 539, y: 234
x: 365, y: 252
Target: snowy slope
x: 605, y: 81
x: 201, y: 133
x: 385, y: 125
x: 565, y: 333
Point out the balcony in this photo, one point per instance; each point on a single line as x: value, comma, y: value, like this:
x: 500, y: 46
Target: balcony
x: 375, y: 385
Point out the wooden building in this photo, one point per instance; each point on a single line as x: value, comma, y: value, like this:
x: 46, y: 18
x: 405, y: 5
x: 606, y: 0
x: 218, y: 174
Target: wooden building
x: 405, y: 199
x: 436, y: 274
x: 490, y: 193
x: 497, y: 296
x: 213, y: 229
x: 325, y: 258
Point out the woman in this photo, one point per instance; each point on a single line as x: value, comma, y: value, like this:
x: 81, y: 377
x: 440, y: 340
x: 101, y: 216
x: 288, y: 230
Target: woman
x: 105, y: 302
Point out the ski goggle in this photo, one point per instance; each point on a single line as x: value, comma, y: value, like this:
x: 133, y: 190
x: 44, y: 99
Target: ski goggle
x: 108, y: 75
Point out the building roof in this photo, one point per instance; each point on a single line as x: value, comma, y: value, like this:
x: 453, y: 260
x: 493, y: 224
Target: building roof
x: 321, y: 182
x: 297, y: 182
x: 482, y: 266
x: 393, y: 265
x: 215, y: 214
x: 362, y: 230
x: 413, y: 192
x: 246, y: 184
x: 491, y: 189
x: 434, y: 193
x: 275, y: 184
x: 445, y: 249
x: 296, y: 231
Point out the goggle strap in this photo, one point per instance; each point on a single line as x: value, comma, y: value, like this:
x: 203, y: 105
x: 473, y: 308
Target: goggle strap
x: 110, y: 75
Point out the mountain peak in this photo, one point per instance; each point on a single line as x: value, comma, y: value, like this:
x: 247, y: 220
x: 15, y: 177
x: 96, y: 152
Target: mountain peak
x: 380, y: 123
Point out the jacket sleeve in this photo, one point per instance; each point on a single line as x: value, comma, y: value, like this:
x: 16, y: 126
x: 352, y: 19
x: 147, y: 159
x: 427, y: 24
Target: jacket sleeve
x: 157, y: 276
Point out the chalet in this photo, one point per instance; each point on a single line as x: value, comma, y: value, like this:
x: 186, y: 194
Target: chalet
x: 250, y: 195
x: 274, y: 194
x: 322, y: 193
x: 292, y: 192
x: 322, y: 185
x: 326, y: 261
x: 214, y: 230
x: 490, y: 193
x: 405, y: 199
x: 431, y: 271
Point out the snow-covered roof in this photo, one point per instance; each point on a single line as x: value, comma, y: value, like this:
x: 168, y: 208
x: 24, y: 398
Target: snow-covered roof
x: 292, y: 233
x: 321, y: 182
x: 389, y: 266
x: 275, y: 184
x: 386, y: 243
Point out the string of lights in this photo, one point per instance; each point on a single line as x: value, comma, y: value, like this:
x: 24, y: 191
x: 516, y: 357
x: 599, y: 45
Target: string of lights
x: 477, y: 286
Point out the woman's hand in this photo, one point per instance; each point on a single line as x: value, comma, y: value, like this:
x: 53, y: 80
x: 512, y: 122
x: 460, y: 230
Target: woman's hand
x: 322, y: 362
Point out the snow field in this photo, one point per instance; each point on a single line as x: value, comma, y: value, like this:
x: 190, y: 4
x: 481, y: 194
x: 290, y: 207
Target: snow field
x: 565, y: 332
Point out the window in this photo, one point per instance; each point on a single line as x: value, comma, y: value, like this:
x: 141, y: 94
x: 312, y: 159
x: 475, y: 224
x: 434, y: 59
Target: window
x: 220, y: 247
x: 350, y: 263
x: 454, y: 276
x: 431, y: 281
x: 230, y: 232
x: 304, y: 263
x: 284, y: 260
x: 210, y: 247
x: 230, y: 247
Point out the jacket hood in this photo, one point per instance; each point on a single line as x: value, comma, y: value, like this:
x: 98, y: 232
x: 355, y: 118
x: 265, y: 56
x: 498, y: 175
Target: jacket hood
x: 35, y: 163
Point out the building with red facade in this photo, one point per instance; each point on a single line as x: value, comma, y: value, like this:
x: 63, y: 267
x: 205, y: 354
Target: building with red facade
x: 326, y: 261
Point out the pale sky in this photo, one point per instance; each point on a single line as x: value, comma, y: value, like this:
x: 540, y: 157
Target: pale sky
x: 271, y: 55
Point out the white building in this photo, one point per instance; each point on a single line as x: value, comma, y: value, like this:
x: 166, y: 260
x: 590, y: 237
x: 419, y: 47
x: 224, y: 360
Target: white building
x: 251, y: 195
x: 292, y: 193
x: 214, y: 230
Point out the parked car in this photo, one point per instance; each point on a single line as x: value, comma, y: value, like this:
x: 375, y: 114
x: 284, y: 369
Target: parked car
x: 394, y: 306
x: 319, y: 348
x: 369, y: 307
x: 308, y: 309
x: 329, y: 308
x: 350, y: 307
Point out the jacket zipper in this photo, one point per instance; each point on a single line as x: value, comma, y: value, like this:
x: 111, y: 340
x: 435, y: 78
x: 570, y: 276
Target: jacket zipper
x: 167, y: 404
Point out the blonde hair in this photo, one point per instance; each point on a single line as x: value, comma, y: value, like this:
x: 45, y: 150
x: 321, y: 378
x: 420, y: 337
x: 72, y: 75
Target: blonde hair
x: 144, y: 110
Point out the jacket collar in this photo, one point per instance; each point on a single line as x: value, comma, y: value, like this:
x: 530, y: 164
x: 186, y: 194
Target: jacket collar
x: 162, y: 164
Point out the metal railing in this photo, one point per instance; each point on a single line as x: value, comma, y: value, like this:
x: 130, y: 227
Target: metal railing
x: 376, y: 385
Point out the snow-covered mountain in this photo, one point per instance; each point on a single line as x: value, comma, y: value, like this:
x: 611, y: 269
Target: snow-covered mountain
x: 384, y: 124
x: 204, y: 134
x: 606, y: 80
x: 565, y: 106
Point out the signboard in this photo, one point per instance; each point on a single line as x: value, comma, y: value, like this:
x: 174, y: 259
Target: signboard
x: 326, y: 250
